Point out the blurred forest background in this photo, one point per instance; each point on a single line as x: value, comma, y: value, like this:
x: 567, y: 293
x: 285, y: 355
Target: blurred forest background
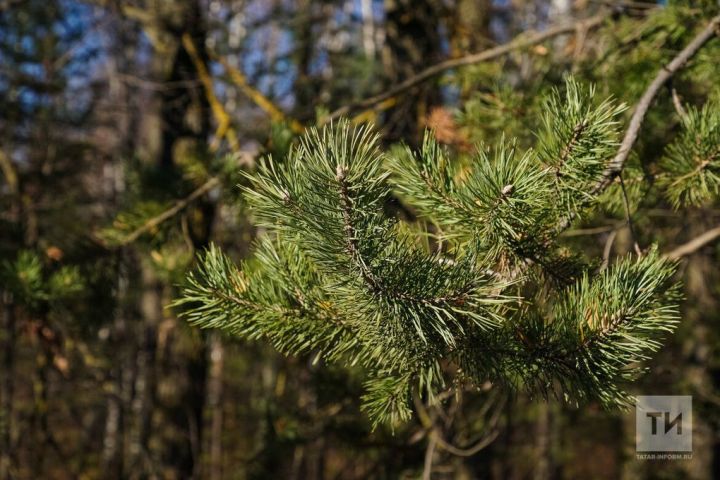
x: 123, y: 128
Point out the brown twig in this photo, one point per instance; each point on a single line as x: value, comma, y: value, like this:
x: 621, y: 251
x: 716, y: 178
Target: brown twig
x: 522, y: 41
x: 429, y: 452
x: 693, y: 245
x: 239, y: 79
x: 470, y: 451
x: 608, y: 248
x: 170, y: 212
x: 589, y: 231
x: 628, y: 216
x: 224, y: 128
x: 678, y: 104
x: 616, y: 165
x: 630, y: 5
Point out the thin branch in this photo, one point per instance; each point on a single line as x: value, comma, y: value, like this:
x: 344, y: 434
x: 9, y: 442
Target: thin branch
x: 694, y: 245
x: 630, y: 5
x: 482, y: 443
x: 608, y: 248
x: 628, y: 216
x: 589, y: 231
x: 616, y: 165
x: 520, y: 42
x: 429, y: 452
x: 678, y: 104
x: 665, y: 73
x: 240, y: 80
x: 224, y: 128
x: 170, y: 212
x: 470, y: 451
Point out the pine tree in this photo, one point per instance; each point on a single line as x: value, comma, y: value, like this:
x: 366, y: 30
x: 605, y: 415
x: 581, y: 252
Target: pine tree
x: 481, y: 289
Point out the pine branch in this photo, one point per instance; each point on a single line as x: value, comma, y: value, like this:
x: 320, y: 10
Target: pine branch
x: 277, y: 299
x: 578, y: 137
x: 692, y: 162
x: 615, y: 166
x: 617, y: 319
x: 407, y: 314
x: 158, y: 220
x: 507, y: 202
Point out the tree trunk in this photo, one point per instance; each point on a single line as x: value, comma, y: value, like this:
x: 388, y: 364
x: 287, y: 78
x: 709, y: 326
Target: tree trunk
x: 413, y: 43
x: 543, y: 451
x: 145, y: 380
x: 214, y: 405
x: 6, y: 387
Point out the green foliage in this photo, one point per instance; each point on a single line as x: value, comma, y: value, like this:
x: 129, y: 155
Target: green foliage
x: 692, y: 162
x: 280, y: 301
x: 340, y: 278
x: 636, y: 185
x: 33, y: 285
x: 601, y: 328
x: 131, y: 219
x: 387, y: 399
x: 578, y: 136
x: 502, y: 200
x: 511, y: 202
x: 503, y: 110
x: 24, y: 276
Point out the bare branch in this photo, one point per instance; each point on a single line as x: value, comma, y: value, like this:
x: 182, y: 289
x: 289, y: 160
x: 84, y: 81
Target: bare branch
x: 628, y: 216
x: 179, y: 206
x: 523, y: 41
x: 678, y: 104
x: 470, y: 451
x: 694, y: 245
x: 429, y: 452
x: 589, y: 231
x: 224, y: 128
x: 628, y: 5
x: 238, y: 78
x: 607, y: 250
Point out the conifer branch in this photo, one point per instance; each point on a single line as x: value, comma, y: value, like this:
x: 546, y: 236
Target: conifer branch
x: 179, y: 206
x: 690, y: 164
x: 406, y: 311
x: 615, y: 166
